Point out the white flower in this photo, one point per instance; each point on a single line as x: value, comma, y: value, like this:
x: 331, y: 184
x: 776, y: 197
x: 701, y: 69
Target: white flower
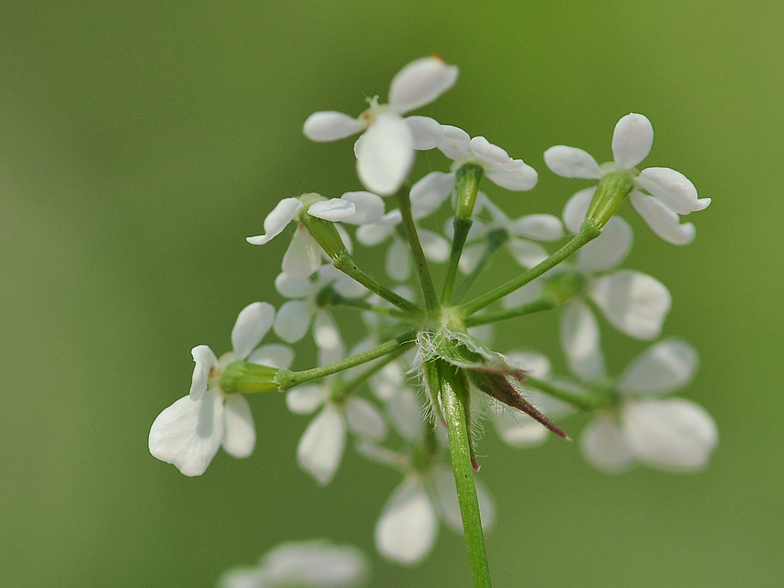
x: 672, y: 434
x: 499, y: 168
x: 321, y: 447
x: 672, y: 193
x: 305, y: 564
x: 303, y: 256
x: 385, y: 151
x: 189, y: 432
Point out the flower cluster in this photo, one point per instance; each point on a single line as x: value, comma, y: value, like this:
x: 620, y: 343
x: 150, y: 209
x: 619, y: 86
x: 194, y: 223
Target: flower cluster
x: 411, y: 390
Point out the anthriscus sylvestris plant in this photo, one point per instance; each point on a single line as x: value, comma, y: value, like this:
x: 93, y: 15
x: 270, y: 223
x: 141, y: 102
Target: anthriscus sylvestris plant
x: 410, y: 393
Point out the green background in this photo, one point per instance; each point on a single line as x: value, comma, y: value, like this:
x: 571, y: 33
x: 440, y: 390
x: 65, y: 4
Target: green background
x: 140, y: 142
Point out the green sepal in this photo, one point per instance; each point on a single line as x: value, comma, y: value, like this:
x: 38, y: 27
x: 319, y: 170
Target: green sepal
x: 241, y: 376
x: 325, y: 234
x: 468, y: 177
x: 613, y: 188
x: 565, y: 286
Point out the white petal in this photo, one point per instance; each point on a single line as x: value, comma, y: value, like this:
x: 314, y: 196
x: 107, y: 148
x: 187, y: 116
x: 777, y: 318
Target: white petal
x: 429, y: 193
x: 405, y: 411
x: 426, y: 132
x: 315, y: 563
x: 283, y: 213
x: 334, y: 209
x: 303, y: 257
x: 456, y: 143
x: 527, y: 253
x: 673, y: 434
x: 673, y: 189
x: 436, y: 248
x: 306, y: 399
x: 662, y: 221
x: 490, y: 155
x: 321, y: 447
x: 576, y: 208
x: 373, y: 234
x: 580, y: 341
x: 605, y: 446
x: 528, y: 293
x: 239, y: 438
x: 345, y: 239
x: 292, y: 320
x: 205, y: 360
x: 242, y: 577
x: 349, y: 287
x: 420, y: 82
x: 518, y: 429
x: 252, y: 324
x: 632, y: 140
x: 633, y: 302
x: 369, y: 207
x: 189, y: 432
x: 273, y: 355
x: 398, y: 262
x: 570, y: 162
x: 533, y: 362
x: 293, y: 287
x: 325, y: 331
x: 472, y: 254
x: 665, y: 367
x: 521, y: 178
x: 609, y: 249
x: 331, y: 126
x: 407, y: 527
x: 386, y: 154
x: 544, y: 227
x: 364, y: 419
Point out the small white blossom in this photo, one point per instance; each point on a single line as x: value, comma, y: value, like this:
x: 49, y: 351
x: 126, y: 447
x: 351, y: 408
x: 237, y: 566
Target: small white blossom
x: 305, y: 564
x: 189, y: 432
x: 385, y: 151
x: 672, y: 192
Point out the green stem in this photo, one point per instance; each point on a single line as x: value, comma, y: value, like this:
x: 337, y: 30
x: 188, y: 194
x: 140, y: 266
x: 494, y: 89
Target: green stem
x: 574, y: 398
x: 428, y: 290
x: 287, y: 379
x: 495, y: 239
x: 349, y: 387
x: 346, y: 264
x: 543, y: 303
x: 589, y: 232
x: 454, y: 395
x: 462, y: 226
x: 338, y: 299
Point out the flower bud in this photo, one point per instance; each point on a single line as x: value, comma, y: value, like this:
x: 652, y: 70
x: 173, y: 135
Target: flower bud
x: 241, y: 376
x: 612, y: 190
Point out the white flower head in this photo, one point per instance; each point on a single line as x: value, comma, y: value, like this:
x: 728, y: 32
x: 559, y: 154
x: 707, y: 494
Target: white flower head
x: 385, y: 151
x: 669, y: 193
x: 306, y: 564
x: 667, y: 433
x: 189, y: 432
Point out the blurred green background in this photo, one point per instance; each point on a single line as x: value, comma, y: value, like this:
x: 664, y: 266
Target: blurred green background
x: 141, y: 142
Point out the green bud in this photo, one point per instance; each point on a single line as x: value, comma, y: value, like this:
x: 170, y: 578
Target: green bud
x: 325, y: 234
x: 565, y: 286
x: 241, y: 376
x: 612, y: 190
x: 467, y: 187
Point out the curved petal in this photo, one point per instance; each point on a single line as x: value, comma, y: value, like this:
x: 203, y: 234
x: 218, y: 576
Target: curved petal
x: 633, y: 302
x: 571, y: 162
x: 407, y: 527
x: 490, y: 155
x: 605, y: 446
x: 205, y: 360
x: 329, y: 125
x: 252, y: 324
x: 398, y: 262
x: 420, y: 82
x: 609, y: 249
x: 303, y: 256
x: 306, y: 399
x: 436, y: 248
x: 386, y: 154
x: 543, y: 227
x: 673, y: 434
x: 283, y: 213
x: 665, y: 367
x: 239, y: 437
x: 456, y: 143
x: 291, y: 287
x: 662, y: 221
x: 369, y: 207
x: 273, y: 355
x: 526, y: 253
x: 334, y: 209
x: 188, y: 433
x: 375, y: 233
x: 517, y: 429
x: 316, y: 563
x: 321, y: 448
x: 576, y: 208
x: 426, y: 132
x: 580, y: 341
x: 672, y: 188
x: 429, y: 193
x: 519, y: 179
x: 364, y: 419
x: 632, y: 140
x: 293, y: 320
